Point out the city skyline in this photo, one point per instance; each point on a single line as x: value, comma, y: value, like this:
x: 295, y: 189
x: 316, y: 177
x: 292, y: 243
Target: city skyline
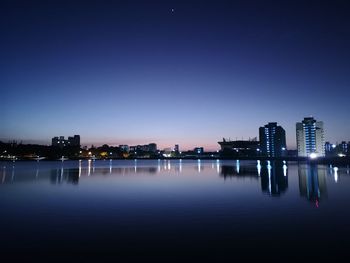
x: 266, y: 130
x: 172, y: 73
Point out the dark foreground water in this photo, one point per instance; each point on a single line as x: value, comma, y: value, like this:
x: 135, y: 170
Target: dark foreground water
x: 173, y: 211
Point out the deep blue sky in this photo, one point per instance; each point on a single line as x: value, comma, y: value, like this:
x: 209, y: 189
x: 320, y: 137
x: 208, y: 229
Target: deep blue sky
x: 137, y: 72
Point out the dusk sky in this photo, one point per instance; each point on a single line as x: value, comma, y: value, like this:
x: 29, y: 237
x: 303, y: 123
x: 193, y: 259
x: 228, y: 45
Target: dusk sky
x: 172, y: 72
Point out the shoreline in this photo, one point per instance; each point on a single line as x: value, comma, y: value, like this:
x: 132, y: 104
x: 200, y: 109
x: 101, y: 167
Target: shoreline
x: 323, y: 160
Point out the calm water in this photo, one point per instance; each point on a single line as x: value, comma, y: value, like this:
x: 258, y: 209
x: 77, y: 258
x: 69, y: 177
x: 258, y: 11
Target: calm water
x: 161, y: 209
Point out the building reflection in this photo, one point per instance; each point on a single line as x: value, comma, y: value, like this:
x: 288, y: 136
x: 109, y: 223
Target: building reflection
x: 312, y: 182
x: 236, y: 170
x: 274, y: 177
x: 70, y: 175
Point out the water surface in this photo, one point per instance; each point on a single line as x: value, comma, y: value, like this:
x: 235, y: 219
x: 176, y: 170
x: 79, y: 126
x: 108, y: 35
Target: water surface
x: 173, y: 209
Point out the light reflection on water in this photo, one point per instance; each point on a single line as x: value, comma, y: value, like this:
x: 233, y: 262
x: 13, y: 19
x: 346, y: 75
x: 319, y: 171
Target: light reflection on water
x: 271, y: 175
x: 183, y: 204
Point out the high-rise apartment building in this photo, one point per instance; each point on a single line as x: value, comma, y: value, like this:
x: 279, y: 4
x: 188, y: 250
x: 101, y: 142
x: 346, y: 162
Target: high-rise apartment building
x: 61, y: 142
x: 310, y: 138
x: 272, y: 140
x: 74, y: 141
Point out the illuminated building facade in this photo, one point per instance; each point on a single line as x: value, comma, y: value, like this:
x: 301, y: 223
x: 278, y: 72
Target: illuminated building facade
x: 272, y: 140
x: 152, y: 147
x: 310, y: 138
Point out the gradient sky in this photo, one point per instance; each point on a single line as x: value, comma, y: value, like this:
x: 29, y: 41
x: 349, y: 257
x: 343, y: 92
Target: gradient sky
x: 172, y: 72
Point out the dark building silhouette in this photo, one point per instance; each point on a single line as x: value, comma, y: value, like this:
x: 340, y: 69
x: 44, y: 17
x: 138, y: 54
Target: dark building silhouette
x: 239, y: 148
x: 152, y: 147
x: 272, y: 140
x: 344, y: 148
x: 329, y: 149
x: 61, y: 142
x: 74, y: 141
x: 124, y: 148
x: 198, y: 150
x: 274, y: 178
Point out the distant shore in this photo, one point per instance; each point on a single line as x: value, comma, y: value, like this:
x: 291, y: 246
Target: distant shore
x: 321, y: 160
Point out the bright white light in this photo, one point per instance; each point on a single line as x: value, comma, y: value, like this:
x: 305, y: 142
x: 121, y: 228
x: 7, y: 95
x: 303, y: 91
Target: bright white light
x: 283, y: 149
x: 89, y: 167
x: 313, y: 155
x: 341, y: 155
x: 333, y: 146
x: 258, y: 166
x: 285, y: 170
x: 269, y: 173
x: 335, y: 174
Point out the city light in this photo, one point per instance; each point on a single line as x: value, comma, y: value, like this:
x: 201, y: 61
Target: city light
x: 313, y: 155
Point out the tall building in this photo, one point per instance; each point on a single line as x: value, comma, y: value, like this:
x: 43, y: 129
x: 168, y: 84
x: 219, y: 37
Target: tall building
x: 310, y: 138
x: 152, y: 147
x: 61, y: 142
x: 344, y: 147
x: 74, y: 141
x: 272, y: 140
x: 328, y: 147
